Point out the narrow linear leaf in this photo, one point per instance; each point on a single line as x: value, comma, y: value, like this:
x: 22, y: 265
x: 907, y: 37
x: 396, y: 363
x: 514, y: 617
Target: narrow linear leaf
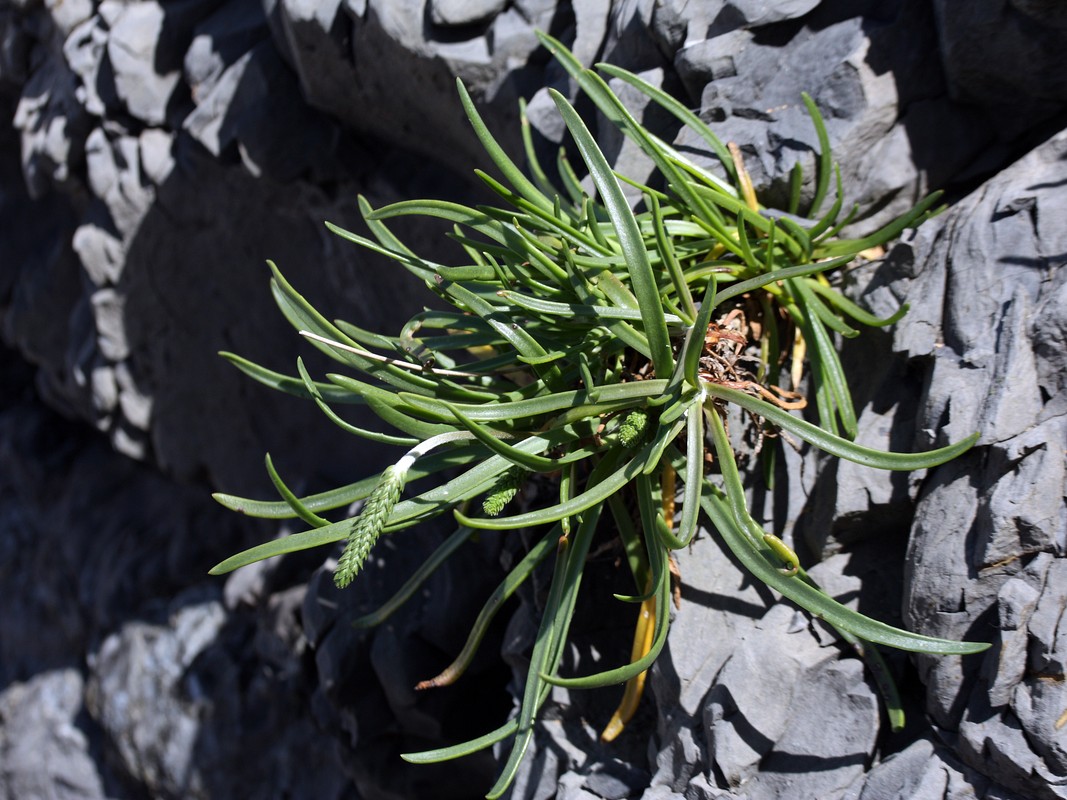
x: 548, y: 645
x: 679, y: 110
x: 629, y: 235
x: 374, y: 436
x: 883, y: 234
x: 534, y: 463
x: 576, y: 311
x: 291, y: 499
x: 825, y: 164
x: 328, y: 534
x: 864, y: 317
x: 694, y: 477
x: 507, y: 167
x: 828, y: 364
x: 620, y: 394
x: 624, y: 673
x: 417, y: 579
x: 590, y: 498
x: 464, y: 749
x: 346, y: 495
x: 815, y: 601
x: 835, y: 445
x: 289, y: 384
x: 515, y: 578
x: 693, y: 347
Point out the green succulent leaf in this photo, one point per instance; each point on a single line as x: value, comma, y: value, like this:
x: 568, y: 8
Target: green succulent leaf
x: 825, y: 166
x: 835, y: 445
x: 291, y: 499
x: 678, y: 109
x: 289, y: 384
x: 515, y: 176
x: 416, y: 581
x: 629, y: 237
x: 815, y: 601
x: 318, y: 537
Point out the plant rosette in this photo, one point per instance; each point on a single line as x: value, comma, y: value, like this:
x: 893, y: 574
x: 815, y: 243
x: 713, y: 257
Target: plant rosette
x: 599, y: 347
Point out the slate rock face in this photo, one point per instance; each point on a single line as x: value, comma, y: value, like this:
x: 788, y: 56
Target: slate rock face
x: 157, y: 153
x: 1001, y: 276
x: 45, y: 753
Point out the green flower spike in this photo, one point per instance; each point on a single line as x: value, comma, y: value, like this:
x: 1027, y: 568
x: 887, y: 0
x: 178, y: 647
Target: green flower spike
x: 504, y: 492
x: 379, y: 507
x: 632, y: 427
x: 368, y: 525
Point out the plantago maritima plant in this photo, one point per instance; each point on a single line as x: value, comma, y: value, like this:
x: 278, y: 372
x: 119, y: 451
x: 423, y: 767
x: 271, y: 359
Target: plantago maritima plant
x: 610, y: 344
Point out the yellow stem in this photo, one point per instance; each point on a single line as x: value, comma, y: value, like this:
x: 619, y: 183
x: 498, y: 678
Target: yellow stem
x: 645, y: 628
x: 748, y: 193
x: 635, y: 687
x: 796, y: 367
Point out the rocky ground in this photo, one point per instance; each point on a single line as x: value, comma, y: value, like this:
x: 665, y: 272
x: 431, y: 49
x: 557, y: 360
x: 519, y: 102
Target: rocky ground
x: 154, y: 154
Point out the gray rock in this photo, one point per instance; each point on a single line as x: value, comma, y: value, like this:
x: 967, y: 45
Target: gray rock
x: 312, y: 35
x: 850, y: 502
x: 93, y: 541
x: 219, y: 40
x: 234, y: 112
x: 135, y: 695
x: 456, y: 13
x: 100, y: 252
x: 156, y: 148
x: 44, y: 751
x: 146, y: 176
x: 755, y: 13
x: 924, y: 769
x: 1022, y: 730
x: 677, y: 24
x: 858, y: 73
x: 544, y: 116
x: 69, y: 14
x: 135, y: 33
x: 824, y: 766
x: 747, y: 91
x: 1050, y: 343
x: 1006, y: 503
x: 51, y: 121
x: 1015, y: 605
x: 681, y: 757
x: 538, y: 13
x: 108, y: 311
x: 755, y: 721
x: 749, y: 708
x: 718, y: 604
x: 1021, y: 515
x: 84, y: 50
x: 176, y: 700
x: 590, y: 29
x: 114, y: 171
x: 348, y: 67
x: 616, y: 780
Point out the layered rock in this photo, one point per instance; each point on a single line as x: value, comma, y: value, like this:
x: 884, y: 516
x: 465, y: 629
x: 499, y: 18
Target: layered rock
x: 158, y: 153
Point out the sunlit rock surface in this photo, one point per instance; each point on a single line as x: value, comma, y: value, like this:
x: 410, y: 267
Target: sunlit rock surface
x: 154, y: 155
